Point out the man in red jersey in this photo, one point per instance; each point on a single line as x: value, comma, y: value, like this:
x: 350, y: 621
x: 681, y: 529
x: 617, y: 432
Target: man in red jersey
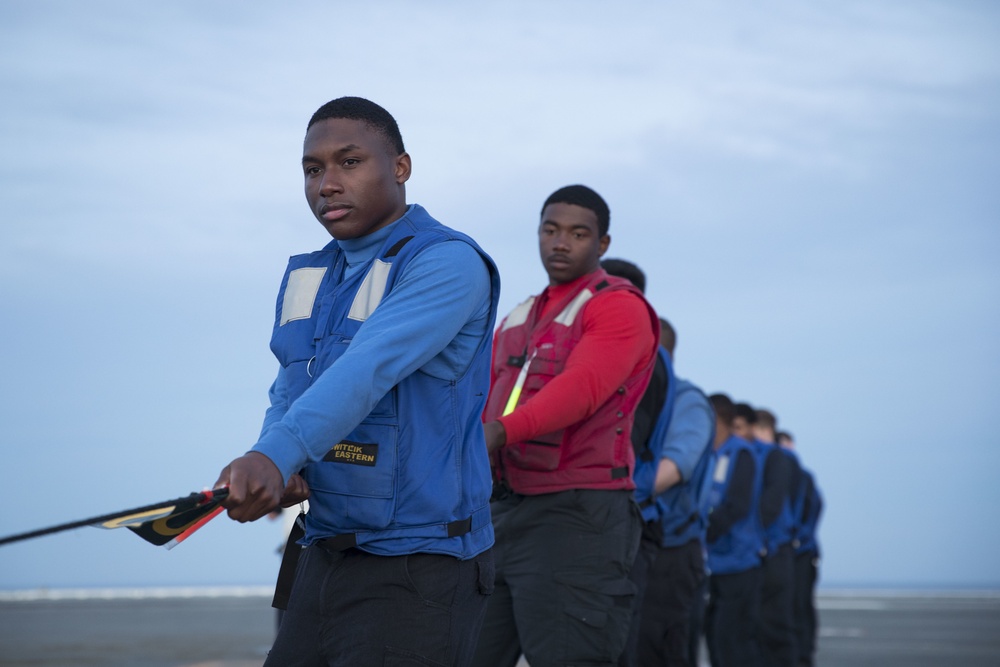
x: 569, y: 368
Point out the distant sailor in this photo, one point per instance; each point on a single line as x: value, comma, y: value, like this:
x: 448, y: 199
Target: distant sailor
x: 735, y: 546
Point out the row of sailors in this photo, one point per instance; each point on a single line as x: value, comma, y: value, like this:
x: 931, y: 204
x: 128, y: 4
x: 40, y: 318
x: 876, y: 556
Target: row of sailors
x: 730, y: 516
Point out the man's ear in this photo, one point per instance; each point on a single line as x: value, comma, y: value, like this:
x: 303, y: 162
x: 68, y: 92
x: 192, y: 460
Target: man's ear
x: 604, y: 243
x: 403, y: 167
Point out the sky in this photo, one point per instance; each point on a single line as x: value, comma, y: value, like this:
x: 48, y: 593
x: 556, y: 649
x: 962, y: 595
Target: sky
x: 806, y: 185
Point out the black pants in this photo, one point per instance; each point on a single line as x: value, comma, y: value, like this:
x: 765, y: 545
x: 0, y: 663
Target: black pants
x: 354, y: 609
x: 731, y: 622
x: 697, y: 622
x: 563, y: 595
x: 665, y: 621
x: 777, y: 599
x: 806, y: 573
x: 649, y: 547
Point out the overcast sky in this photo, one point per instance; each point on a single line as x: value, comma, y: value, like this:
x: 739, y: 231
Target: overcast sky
x: 810, y: 187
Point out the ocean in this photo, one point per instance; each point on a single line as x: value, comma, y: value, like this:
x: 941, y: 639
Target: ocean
x: 233, y: 627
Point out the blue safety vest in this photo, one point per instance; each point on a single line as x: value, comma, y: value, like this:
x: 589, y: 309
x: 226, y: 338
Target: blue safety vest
x: 742, y: 547
x: 807, y: 513
x: 782, y: 530
x: 414, y: 476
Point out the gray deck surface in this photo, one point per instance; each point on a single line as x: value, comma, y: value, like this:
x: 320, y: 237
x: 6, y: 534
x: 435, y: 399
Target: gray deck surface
x: 857, y: 630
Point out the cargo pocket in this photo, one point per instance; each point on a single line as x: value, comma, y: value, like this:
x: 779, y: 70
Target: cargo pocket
x: 597, y: 617
x: 357, y: 478
x: 542, y: 453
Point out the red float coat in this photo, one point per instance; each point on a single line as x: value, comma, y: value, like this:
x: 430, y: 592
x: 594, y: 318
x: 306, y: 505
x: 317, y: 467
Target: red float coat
x: 589, y: 348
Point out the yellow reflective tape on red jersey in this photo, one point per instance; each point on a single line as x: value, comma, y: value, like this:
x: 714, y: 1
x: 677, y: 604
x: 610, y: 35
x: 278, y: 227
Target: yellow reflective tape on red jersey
x: 515, y: 393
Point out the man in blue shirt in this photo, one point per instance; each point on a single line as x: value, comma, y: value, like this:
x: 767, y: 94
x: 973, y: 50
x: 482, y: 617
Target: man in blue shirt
x: 672, y: 436
x: 808, y: 508
x: 678, y: 571
x: 383, y: 339
x: 779, y: 487
x: 735, y: 546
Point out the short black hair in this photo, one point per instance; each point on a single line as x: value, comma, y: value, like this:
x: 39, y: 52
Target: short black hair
x: 724, y: 408
x: 746, y: 411
x: 627, y: 270
x: 767, y: 418
x: 371, y: 114
x: 581, y: 195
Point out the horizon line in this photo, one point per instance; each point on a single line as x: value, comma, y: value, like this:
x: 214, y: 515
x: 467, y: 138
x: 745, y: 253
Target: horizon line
x: 59, y: 594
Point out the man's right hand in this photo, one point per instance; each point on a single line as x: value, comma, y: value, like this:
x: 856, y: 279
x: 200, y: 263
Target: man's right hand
x: 255, y: 487
x: 495, y: 434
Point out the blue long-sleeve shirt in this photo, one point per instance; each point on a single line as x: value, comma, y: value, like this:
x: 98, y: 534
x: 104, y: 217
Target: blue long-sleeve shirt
x: 432, y: 321
x: 690, y: 430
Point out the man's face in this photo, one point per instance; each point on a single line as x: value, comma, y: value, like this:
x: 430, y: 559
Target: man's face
x: 353, y: 182
x: 722, y: 432
x: 569, y: 242
x: 742, y: 429
x: 763, y: 433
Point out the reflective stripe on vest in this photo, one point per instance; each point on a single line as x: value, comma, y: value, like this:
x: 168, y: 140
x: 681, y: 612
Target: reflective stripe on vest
x: 515, y: 393
x: 519, y: 316
x: 370, y: 294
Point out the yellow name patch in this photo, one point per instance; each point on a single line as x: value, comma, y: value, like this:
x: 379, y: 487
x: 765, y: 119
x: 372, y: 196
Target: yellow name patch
x: 354, y: 453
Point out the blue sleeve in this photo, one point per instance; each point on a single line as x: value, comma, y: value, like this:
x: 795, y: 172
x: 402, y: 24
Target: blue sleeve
x: 689, y: 431
x: 440, y: 304
x: 278, y: 397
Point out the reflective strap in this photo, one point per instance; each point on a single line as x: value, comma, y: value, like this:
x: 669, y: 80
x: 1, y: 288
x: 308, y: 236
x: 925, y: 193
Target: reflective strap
x: 370, y: 293
x: 515, y: 393
x: 569, y: 313
x: 518, y: 316
x: 300, y: 294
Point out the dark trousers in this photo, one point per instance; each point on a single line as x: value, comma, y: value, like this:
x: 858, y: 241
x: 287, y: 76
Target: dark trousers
x: 665, y: 621
x: 806, y: 573
x: 697, y: 622
x: 355, y: 609
x: 731, y: 622
x: 563, y: 595
x: 649, y: 546
x: 777, y: 600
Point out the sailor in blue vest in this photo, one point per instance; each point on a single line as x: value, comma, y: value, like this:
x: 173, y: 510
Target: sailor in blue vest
x: 681, y: 510
x: 780, y: 482
x: 672, y: 437
x: 735, y: 545
x: 808, y: 508
x: 383, y: 339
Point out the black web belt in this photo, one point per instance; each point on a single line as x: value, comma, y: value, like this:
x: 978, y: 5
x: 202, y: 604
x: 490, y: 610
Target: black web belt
x: 349, y: 540
x: 290, y: 557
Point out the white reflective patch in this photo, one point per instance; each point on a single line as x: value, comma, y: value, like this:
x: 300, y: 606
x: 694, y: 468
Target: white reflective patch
x: 300, y: 294
x: 721, y: 468
x: 570, y: 312
x: 519, y: 315
x: 372, y: 290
